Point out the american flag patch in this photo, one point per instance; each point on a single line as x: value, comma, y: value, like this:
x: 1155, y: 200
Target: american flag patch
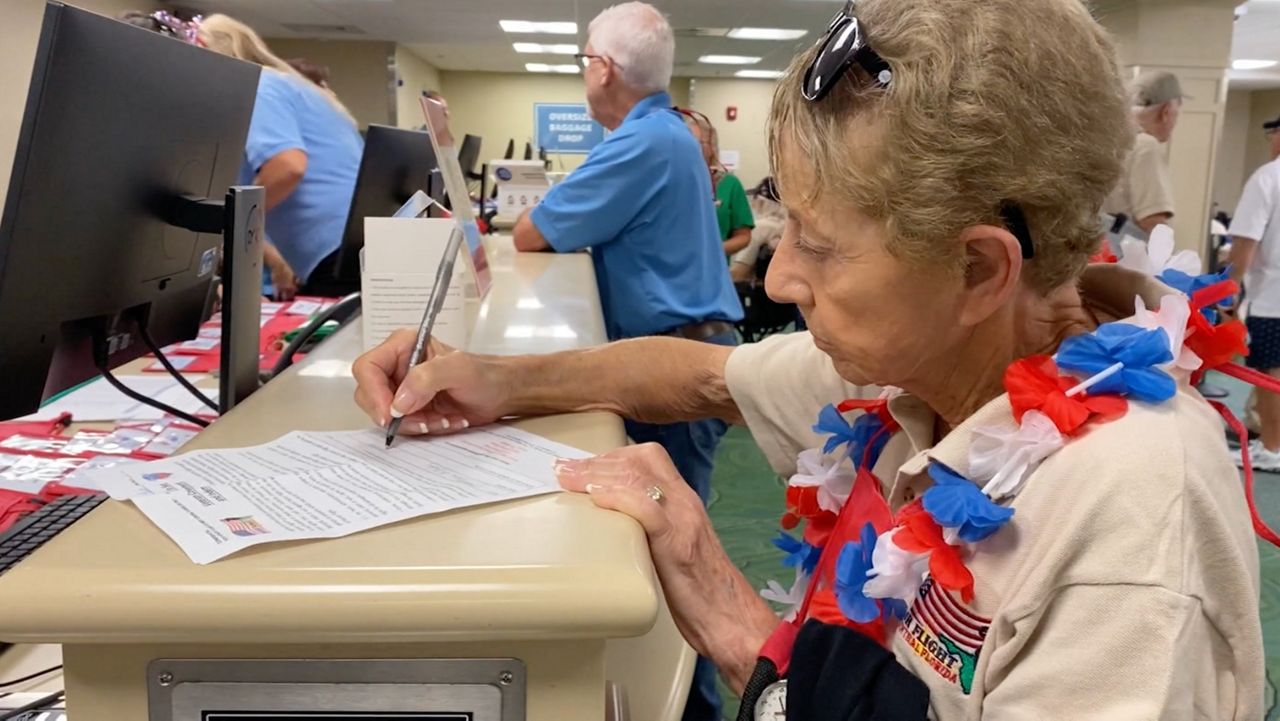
x: 945, y: 634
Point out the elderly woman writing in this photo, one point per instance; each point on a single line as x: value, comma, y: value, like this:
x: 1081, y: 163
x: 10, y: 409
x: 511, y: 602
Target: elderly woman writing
x: 1037, y: 516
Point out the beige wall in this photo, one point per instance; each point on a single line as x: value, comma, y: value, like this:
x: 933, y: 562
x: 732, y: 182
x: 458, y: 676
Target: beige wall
x: 499, y: 107
x: 413, y: 76
x: 747, y: 134
x: 359, y: 72
x: 19, y: 30
x: 1231, y: 170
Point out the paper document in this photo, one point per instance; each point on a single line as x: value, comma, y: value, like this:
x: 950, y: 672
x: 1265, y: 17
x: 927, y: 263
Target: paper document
x: 399, y: 265
x: 99, y: 401
x: 325, y: 485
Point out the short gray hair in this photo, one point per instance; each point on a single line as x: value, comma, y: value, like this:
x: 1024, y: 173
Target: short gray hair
x: 639, y: 40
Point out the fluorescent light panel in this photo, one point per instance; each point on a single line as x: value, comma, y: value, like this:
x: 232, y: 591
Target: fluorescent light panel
x: 529, y: 26
x: 545, y: 68
x: 760, y: 74
x: 1253, y: 64
x: 552, y: 49
x: 766, y: 34
x: 728, y: 60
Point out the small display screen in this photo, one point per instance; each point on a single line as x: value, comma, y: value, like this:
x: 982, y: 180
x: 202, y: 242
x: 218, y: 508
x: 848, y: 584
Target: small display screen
x: 333, y: 716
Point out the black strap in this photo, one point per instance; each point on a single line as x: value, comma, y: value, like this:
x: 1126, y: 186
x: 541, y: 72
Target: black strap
x: 1118, y: 224
x: 764, y: 674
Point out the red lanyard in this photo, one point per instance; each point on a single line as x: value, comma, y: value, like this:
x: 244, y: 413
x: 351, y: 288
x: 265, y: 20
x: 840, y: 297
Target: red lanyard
x: 779, y: 644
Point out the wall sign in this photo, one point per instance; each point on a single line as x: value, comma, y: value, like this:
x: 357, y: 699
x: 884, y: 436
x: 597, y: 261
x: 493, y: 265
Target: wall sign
x: 565, y: 128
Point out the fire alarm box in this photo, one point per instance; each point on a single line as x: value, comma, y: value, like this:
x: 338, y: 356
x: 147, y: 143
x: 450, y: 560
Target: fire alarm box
x: 731, y: 113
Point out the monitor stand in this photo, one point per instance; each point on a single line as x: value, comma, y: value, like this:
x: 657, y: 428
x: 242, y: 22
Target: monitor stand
x: 239, y: 219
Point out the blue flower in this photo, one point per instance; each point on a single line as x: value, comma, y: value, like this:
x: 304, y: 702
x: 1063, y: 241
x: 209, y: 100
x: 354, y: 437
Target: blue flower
x: 1190, y: 284
x: 956, y: 502
x: 1137, y: 348
x: 851, y: 575
x: 857, y: 436
x: 799, y: 553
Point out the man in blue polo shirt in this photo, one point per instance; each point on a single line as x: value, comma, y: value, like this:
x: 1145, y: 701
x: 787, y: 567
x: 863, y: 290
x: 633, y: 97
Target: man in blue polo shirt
x: 642, y: 202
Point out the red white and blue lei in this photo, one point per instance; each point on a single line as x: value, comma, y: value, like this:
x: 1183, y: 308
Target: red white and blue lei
x: 885, y: 557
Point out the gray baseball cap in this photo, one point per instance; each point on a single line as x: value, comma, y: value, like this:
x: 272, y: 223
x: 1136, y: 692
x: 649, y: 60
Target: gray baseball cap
x: 1156, y: 87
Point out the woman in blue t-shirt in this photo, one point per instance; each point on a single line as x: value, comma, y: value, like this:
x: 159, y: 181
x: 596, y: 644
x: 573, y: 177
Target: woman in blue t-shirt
x: 304, y: 148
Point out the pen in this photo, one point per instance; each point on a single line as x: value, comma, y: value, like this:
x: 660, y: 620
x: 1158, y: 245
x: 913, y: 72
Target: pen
x: 439, y: 289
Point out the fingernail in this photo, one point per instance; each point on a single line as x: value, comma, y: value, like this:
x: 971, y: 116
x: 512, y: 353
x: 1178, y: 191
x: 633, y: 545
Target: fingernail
x: 423, y: 427
x: 465, y: 423
x: 444, y: 424
x: 593, y: 487
x: 396, y: 413
x: 401, y: 400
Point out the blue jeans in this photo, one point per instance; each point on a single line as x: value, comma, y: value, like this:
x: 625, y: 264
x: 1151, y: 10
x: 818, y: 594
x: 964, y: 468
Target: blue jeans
x: 692, y: 447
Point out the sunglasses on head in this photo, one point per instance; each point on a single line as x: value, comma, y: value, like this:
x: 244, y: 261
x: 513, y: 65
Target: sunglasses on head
x: 845, y: 45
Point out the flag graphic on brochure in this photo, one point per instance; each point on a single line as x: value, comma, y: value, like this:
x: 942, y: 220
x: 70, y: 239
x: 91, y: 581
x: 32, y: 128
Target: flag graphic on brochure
x: 245, y: 526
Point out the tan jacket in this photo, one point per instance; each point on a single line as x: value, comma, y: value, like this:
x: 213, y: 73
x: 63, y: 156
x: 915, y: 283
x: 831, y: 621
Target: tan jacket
x: 1125, y: 587
x: 1146, y: 187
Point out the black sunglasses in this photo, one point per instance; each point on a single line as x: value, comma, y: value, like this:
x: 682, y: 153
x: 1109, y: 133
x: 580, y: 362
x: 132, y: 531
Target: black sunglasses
x: 845, y: 44
x: 842, y: 46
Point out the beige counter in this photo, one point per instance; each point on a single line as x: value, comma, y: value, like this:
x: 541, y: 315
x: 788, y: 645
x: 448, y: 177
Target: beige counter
x: 552, y: 580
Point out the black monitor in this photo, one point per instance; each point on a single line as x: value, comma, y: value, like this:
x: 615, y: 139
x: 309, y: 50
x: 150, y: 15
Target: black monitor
x: 127, y: 134
x: 396, y: 164
x: 469, y: 156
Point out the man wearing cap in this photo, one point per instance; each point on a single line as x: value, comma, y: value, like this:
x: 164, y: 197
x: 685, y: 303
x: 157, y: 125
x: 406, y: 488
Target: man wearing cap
x: 1255, y: 259
x: 1144, y: 197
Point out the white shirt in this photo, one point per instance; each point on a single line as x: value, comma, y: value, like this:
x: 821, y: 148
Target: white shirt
x: 1258, y: 217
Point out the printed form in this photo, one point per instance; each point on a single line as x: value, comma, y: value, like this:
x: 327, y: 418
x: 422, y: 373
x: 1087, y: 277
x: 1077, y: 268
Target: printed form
x: 325, y: 485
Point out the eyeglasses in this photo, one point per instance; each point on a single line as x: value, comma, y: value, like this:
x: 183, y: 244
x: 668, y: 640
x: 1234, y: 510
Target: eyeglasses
x: 842, y: 46
x: 584, y: 59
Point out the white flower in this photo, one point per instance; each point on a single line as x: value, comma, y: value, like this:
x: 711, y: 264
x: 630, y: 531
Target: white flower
x: 1003, y: 460
x: 832, y: 477
x: 894, y: 573
x: 1156, y: 255
x: 789, y: 598
x: 1172, y: 318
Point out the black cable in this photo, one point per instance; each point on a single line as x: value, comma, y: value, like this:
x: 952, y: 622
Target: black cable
x: 164, y: 361
x: 345, y: 305
x: 36, y: 705
x: 115, y: 382
x: 24, y: 679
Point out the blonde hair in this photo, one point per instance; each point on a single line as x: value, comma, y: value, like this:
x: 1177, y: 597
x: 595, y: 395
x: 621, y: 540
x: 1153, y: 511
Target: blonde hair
x: 992, y: 101
x: 228, y: 36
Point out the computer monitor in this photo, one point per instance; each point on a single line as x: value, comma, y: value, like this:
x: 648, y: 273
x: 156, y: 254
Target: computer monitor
x: 469, y: 156
x: 123, y: 129
x: 396, y: 164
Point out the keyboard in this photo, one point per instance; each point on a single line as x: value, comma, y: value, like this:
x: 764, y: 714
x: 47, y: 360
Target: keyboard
x: 42, y: 524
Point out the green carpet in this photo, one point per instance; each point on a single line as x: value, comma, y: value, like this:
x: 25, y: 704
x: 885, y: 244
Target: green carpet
x: 748, y: 501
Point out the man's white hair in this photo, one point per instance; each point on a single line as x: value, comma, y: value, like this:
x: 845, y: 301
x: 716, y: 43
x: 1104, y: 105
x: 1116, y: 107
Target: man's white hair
x: 639, y: 41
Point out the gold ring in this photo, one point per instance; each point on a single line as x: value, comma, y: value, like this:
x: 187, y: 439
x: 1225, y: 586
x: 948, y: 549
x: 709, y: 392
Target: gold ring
x: 655, y: 493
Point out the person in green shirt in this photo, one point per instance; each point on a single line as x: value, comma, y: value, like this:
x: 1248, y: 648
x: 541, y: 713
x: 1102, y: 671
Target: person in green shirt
x: 733, y: 210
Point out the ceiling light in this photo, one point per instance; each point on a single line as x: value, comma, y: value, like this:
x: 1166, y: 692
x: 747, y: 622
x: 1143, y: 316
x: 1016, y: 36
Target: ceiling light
x: 728, y: 60
x: 528, y: 26
x: 545, y: 49
x: 545, y: 68
x: 1252, y: 64
x: 766, y: 34
x: 761, y: 74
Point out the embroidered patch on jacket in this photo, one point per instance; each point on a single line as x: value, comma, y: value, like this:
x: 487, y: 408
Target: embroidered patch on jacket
x: 945, y: 634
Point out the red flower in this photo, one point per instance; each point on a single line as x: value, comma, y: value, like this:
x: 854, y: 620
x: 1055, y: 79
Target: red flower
x: 1034, y: 383
x: 919, y: 533
x: 1216, y: 344
x: 802, y: 505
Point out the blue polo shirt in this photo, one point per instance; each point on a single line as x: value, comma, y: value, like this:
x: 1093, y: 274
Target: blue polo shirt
x: 292, y: 114
x: 642, y: 202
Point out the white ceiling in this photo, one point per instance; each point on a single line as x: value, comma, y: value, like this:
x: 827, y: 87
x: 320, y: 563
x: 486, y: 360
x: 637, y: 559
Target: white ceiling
x: 464, y: 34
x: 1257, y: 37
